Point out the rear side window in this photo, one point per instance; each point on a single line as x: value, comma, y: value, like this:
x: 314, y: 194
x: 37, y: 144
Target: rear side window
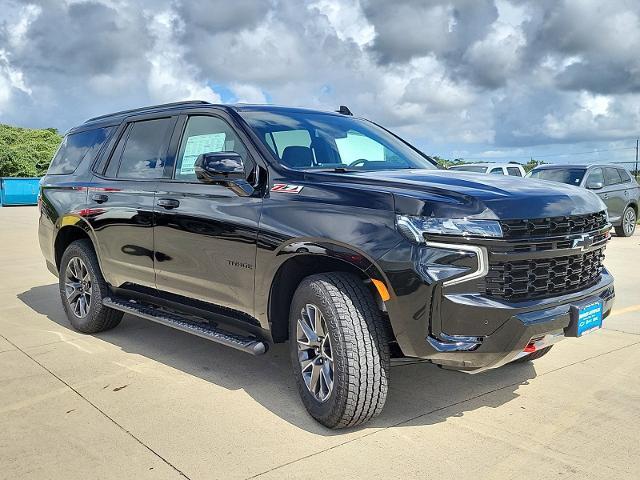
x: 611, y: 176
x: 497, y: 171
x: 514, y: 171
x: 143, y: 153
x: 624, y: 175
x: 76, y: 147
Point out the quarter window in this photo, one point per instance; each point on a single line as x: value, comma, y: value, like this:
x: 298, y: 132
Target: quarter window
x: 514, y: 171
x: 624, y: 175
x: 205, y: 134
x: 76, y: 147
x: 143, y: 154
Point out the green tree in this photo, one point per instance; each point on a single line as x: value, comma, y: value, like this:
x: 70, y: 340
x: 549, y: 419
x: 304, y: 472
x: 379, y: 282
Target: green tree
x: 26, y: 152
x: 446, y: 163
x: 531, y: 164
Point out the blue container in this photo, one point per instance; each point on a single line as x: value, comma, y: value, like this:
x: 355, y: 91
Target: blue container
x: 19, y: 191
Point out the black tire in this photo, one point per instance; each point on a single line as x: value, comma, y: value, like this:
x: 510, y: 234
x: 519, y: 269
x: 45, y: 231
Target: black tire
x: 534, y: 355
x: 98, y: 318
x: 359, y: 349
x: 629, y: 216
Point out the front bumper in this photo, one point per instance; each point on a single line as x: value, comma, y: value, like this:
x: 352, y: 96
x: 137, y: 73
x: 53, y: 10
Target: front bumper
x: 547, y: 320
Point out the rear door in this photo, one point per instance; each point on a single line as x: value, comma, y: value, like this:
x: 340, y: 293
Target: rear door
x: 205, y: 234
x: 631, y: 189
x: 121, y: 199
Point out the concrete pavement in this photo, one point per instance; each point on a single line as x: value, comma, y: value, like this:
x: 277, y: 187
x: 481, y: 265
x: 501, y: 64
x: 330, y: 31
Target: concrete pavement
x: 145, y: 401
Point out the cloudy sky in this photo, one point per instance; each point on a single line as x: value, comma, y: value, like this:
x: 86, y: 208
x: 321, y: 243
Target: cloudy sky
x: 557, y: 80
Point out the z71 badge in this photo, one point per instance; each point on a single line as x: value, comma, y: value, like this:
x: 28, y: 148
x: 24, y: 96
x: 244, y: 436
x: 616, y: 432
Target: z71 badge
x: 286, y: 188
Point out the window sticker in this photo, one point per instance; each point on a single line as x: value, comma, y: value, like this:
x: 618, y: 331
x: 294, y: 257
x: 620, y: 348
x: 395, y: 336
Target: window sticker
x: 199, y: 144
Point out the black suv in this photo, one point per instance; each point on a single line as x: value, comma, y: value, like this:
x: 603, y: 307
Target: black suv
x: 251, y: 225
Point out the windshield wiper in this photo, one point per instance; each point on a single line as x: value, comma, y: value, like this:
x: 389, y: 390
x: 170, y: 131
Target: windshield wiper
x: 335, y: 169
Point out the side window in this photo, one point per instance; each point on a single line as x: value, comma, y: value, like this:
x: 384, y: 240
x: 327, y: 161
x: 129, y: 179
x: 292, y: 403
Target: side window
x: 204, y: 134
x: 611, y: 176
x: 75, y: 148
x: 624, y: 175
x: 496, y: 171
x: 514, y: 171
x: 143, y: 150
x: 595, y: 177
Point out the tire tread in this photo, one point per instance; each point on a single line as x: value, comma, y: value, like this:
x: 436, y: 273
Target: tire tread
x: 365, y: 347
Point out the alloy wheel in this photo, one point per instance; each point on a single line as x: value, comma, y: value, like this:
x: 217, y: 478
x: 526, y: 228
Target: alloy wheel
x: 629, y: 221
x: 77, y: 287
x: 314, y: 352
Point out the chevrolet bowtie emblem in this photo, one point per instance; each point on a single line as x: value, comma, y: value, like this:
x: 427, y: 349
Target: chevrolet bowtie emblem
x: 584, y: 242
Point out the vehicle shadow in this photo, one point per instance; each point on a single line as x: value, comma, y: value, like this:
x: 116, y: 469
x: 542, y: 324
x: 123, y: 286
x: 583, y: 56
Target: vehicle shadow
x: 420, y: 393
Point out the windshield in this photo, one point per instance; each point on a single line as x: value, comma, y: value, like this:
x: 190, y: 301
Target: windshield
x: 308, y: 141
x: 572, y: 176
x: 470, y: 168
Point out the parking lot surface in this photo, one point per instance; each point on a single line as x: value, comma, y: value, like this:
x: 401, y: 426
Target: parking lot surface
x: 146, y: 401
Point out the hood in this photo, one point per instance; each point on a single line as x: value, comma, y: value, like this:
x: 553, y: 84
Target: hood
x: 460, y: 194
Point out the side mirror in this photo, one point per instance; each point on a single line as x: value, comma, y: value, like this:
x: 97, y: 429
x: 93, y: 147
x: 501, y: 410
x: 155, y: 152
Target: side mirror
x: 223, y: 168
x: 595, y: 185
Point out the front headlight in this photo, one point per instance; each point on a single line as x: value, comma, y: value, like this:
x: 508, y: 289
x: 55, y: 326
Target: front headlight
x: 414, y: 227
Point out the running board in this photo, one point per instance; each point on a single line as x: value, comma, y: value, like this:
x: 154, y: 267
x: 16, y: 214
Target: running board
x: 243, y: 343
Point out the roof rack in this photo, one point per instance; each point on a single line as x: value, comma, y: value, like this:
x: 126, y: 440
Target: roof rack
x: 149, y: 108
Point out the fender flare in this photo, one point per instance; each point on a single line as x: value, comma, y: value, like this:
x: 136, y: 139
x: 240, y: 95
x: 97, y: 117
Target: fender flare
x: 76, y: 220
x: 271, y: 302
x: 334, y: 250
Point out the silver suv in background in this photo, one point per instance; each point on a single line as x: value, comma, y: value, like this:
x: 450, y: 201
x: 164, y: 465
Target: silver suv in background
x: 512, y: 169
x: 613, y: 184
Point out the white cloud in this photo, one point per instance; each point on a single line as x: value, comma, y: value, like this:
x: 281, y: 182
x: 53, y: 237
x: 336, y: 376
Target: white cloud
x: 501, y: 73
x: 246, y: 93
x: 347, y: 19
x: 171, y: 78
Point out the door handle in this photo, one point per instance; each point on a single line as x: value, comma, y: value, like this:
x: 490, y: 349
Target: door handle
x: 99, y: 197
x: 605, y: 195
x: 168, y: 203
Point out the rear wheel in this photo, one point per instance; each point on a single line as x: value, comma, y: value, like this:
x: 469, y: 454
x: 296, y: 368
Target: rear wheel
x: 339, y: 350
x: 82, y: 289
x: 533, y: 355
x: 628, y: 223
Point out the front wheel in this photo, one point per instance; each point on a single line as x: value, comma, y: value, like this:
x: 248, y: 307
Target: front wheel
x: 628, y: 223
x: 339, y: 349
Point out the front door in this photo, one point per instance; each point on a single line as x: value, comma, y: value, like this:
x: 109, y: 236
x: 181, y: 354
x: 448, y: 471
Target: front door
x: 205, y: 234
x: 595, y: 182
